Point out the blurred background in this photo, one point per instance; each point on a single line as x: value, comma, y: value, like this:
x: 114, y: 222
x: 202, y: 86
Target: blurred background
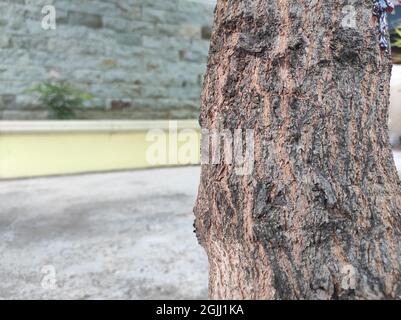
x: 89, y: 87
x: 139, y: 59
x: 90, y: 92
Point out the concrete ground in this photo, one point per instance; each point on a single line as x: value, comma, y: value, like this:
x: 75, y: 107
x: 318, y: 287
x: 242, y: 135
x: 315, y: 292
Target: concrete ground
x: 125, y: 235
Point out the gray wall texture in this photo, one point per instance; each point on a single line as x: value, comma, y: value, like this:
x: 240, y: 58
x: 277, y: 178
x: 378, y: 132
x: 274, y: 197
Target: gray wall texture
x: 140, y: 59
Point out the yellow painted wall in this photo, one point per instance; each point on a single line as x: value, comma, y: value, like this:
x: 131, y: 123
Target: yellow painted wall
x: 29, y: 154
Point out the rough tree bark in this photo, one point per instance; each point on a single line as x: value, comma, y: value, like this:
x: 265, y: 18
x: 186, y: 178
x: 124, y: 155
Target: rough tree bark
x: 319, y: 217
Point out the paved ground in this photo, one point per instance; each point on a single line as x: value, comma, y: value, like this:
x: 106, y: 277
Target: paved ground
x: 121, y: 235
x: 124, y: 235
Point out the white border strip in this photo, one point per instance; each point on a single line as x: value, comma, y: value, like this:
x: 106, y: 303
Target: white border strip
x: 15, y: 127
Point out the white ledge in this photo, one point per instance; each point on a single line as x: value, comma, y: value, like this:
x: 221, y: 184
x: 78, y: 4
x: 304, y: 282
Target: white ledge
x: 16, y: 127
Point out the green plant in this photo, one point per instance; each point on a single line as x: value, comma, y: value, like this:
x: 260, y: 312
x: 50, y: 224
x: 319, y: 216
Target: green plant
x: 60, y: 98
x: 396, y: 35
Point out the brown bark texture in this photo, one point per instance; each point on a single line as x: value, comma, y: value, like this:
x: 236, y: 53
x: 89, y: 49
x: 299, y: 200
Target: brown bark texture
x: 319, y: 216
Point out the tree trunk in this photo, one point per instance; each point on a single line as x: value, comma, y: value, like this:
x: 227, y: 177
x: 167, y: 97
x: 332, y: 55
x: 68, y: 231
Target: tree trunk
x: 319, y: 216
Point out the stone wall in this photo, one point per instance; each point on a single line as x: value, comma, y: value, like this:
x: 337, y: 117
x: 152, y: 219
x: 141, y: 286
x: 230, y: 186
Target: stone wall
x: 139, y: 59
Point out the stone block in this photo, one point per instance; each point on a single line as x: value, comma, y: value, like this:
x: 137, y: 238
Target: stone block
x: 119, y: 104
x: 206, y: 32
x: 7, y: 101
x: 166, y: 5
x: 190, y: 31
x: 155, y: 15
x: 22, y: 115
x: 5, y: 42
x: 129, y: 39
x: 85, y: 19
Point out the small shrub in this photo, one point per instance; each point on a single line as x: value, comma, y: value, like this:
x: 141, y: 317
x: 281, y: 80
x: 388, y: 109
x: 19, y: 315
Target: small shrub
x: 60, y: 98
x: 395, y: 38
